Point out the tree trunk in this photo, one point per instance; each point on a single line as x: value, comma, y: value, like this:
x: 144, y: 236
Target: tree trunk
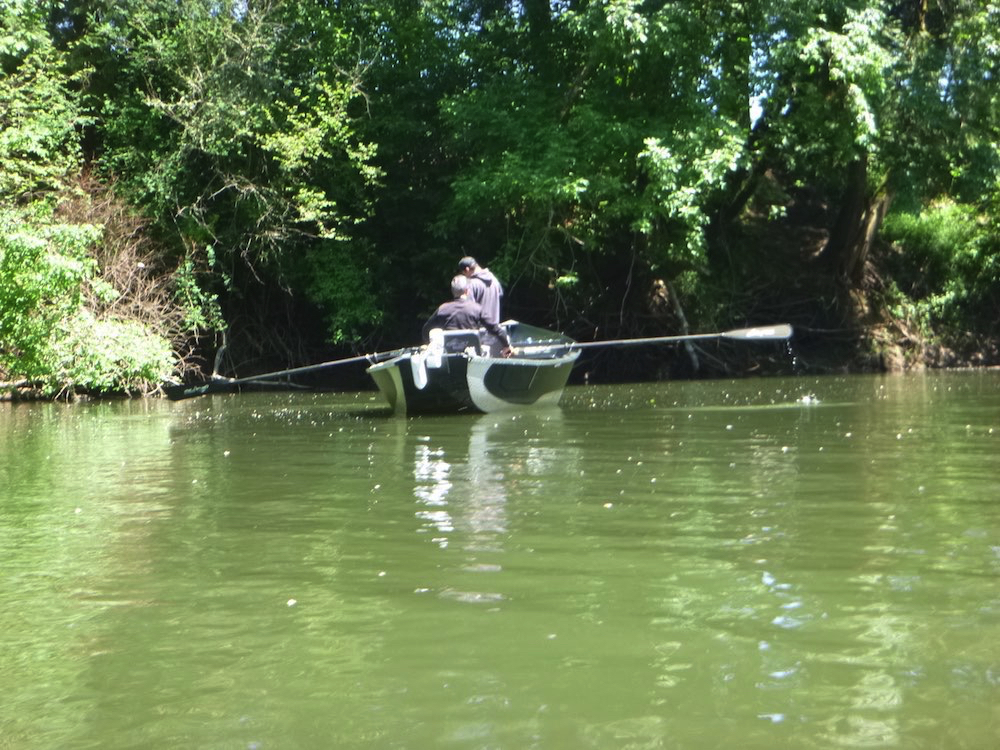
x: 872, y: 222
x: 857, y: 225
x: 688, y: 345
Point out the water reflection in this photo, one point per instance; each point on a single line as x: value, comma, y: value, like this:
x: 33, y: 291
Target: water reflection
x: 490, y: 470
x: 467, y: 478
x: 433, y: 483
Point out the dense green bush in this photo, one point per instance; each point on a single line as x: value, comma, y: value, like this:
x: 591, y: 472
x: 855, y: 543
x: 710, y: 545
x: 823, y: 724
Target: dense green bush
x: 108, y: 355
x: 945, y: 265
x: 48, y: 337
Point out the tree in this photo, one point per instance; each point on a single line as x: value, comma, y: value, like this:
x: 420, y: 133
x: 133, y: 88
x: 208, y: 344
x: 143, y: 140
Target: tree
x: 609, y: 154
x: 233, y: 121
x: 51, y: 334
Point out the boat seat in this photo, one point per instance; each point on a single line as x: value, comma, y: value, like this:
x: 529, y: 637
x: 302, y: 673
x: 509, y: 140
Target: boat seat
x: 460, y: 339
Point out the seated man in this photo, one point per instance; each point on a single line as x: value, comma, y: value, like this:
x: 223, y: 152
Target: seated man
x: 462, y: 312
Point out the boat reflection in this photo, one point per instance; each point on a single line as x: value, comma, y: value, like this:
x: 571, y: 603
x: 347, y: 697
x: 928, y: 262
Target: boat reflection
x: 470, y: 489
x: 432, y: 475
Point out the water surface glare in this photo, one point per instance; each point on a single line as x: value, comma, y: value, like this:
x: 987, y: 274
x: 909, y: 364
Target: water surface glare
x: 800, y: 563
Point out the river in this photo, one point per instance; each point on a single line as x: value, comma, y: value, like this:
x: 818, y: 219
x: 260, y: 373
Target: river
x: 773, y: 563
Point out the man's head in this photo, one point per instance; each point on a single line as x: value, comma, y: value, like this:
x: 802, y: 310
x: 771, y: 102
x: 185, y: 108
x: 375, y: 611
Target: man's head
x: 467, y: 265
x: 459, y: 286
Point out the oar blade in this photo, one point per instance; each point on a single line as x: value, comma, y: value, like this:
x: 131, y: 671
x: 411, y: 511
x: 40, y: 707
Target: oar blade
x: 761, y: 333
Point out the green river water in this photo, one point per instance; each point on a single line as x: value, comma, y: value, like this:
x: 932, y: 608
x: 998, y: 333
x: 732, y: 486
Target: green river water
x: 777, y: 563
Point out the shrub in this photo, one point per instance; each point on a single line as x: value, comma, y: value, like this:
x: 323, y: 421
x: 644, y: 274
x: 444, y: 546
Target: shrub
x: 945, y: 265
x: 48, y: 336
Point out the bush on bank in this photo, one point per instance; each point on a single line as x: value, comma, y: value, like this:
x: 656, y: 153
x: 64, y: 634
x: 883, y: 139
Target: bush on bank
x: 50, y: 339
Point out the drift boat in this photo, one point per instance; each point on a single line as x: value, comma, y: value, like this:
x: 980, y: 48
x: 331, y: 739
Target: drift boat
x: 456, y: 372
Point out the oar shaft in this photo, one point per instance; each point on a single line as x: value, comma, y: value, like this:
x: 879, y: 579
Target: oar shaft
x: 760, y: 333
x: 645, y: 340
x: 300, y: 370
x: 177, y: 393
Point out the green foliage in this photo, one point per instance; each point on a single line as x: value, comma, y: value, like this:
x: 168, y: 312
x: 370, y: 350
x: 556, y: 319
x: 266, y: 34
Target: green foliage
x: 107, y: 355
x: 48, y: 271
x: 201, y: 309
x: 618, y: 147
x: 682, y: 179
x: 531, y: 153
x: 42, y: 269
x: 38, y: 113
x: 945, y: 118
x: 235, y: 121
x: 832, y: 83
x: 336, y: 279
x: 623, y: 130
x: 47, y: 334
x: 946, y: 266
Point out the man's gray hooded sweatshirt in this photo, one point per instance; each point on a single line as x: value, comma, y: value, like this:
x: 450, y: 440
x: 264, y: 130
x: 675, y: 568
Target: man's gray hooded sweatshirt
x: 486, y: 290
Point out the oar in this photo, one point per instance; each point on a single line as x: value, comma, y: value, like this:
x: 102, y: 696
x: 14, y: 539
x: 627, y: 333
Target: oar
x: 760, y: 333
x: 228, y: 385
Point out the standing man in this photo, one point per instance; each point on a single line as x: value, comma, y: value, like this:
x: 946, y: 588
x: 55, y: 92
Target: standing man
x: 483, y: 287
